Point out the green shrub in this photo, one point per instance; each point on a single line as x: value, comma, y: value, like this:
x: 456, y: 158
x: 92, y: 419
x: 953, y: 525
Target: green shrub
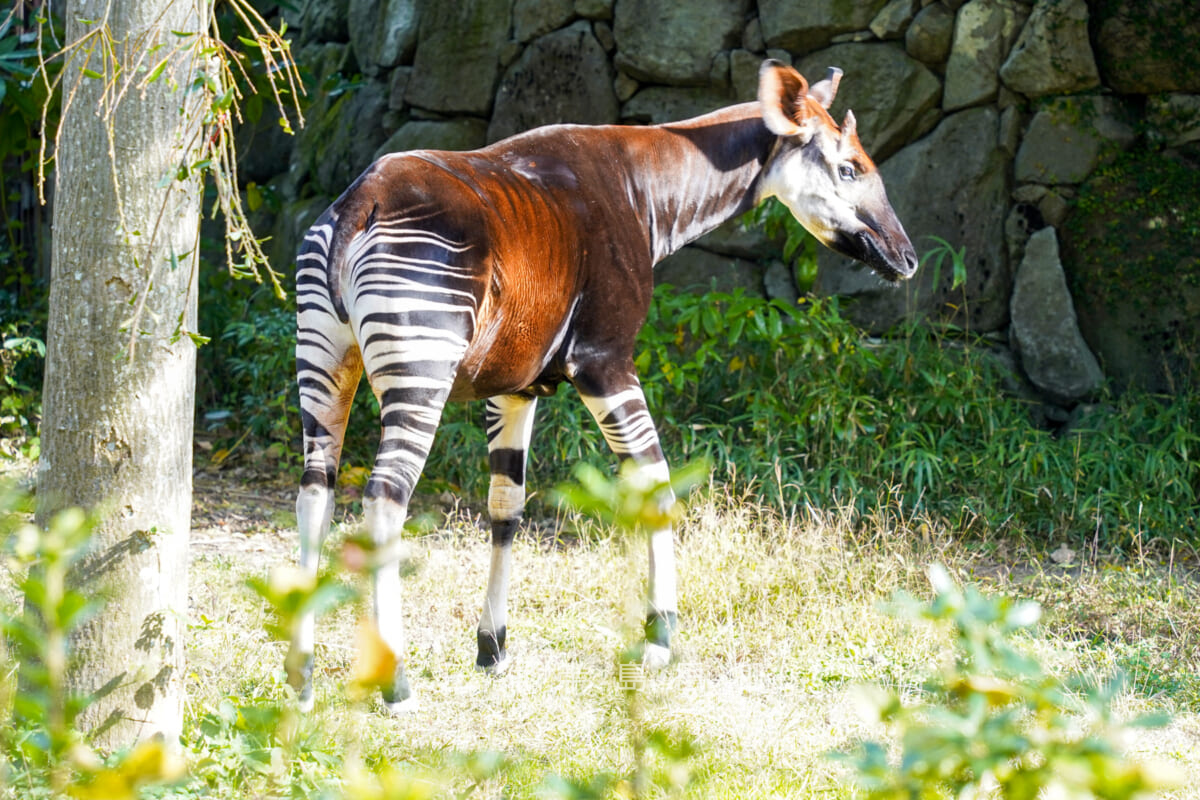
x: 798, y: 402
x: 21, y: 357
x: 261, y: 357
x: 794, y: 400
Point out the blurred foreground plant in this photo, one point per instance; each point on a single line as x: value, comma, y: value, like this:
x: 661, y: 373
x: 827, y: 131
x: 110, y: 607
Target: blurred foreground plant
x: 42, y: 747
x: 635, y: 503
x: 996, y: 724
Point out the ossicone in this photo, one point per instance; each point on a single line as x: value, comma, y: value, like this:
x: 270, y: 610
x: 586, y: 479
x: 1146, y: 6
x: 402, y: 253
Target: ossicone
x: 824, y: 90
x: 849, y: 125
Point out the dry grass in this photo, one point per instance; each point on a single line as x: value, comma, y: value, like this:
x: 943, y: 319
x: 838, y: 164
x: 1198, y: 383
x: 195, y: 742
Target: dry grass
x: 781, y: 621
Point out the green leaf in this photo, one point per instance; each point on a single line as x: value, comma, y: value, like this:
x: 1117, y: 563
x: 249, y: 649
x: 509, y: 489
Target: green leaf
x: 157, y: 71
x: 254, y: 197
x: 224, y: 100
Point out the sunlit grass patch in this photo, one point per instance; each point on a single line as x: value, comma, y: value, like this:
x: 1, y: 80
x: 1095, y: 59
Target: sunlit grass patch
x: 782, y: 620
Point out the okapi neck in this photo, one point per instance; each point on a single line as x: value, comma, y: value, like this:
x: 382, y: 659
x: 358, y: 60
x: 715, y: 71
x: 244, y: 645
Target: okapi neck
x: 691, y: 176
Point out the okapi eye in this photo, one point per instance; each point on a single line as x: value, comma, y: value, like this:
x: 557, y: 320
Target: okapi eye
x: 846, y: 172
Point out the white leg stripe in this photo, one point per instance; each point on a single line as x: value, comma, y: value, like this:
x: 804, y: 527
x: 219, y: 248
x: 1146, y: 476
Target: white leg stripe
x: 506, y: 499
x: 626, y: 436
x: 495, y: 605
x: 663, y: 590
x: 513, y: 427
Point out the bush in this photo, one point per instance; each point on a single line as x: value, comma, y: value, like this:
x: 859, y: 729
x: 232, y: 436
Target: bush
x: 21, y: 357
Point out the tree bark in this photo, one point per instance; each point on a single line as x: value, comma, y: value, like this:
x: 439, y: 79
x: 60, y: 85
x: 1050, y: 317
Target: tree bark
x: 117, y: 423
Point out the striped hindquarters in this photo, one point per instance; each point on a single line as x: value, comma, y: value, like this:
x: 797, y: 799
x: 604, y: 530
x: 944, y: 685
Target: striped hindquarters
x: 411, y: 295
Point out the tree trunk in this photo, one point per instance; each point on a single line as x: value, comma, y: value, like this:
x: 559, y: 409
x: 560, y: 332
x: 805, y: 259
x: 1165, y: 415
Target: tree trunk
x: 117, y: 424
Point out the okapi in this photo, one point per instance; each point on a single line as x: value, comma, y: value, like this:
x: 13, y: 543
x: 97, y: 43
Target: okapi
x: 502, y: 272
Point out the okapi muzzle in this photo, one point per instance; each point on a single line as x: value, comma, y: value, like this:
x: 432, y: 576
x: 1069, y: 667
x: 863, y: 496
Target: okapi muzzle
x: 501, y: 273
x: 820, y: 171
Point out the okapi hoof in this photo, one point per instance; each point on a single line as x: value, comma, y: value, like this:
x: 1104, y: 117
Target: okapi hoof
x: 399, y: 699
x: 492, y: 656
x: 655, y: 656
x: 659, y: 627
x: 400, y: 708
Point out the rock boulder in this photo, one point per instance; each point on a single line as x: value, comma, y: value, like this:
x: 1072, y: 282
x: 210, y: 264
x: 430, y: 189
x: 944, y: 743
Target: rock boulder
x: 1067, y: 139
x: 383, y: 34
x: 983, y: 33
x: 1045, y: 330
x: 675, y: 43
x: 1148, y: 46
x: 811, y: 25
x: 1052, y: 54
x: 457, y: 61
x: 890, y: 114
x: 463, y: 133
x: 561, y: 77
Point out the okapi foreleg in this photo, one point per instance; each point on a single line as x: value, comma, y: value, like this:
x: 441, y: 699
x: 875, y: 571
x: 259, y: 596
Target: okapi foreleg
x: 509, y: 420
x: 629, y: 430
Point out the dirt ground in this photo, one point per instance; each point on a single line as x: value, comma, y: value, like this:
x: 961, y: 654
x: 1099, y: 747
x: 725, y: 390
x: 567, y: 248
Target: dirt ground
x: 244, y: 511
x: 237, y: 512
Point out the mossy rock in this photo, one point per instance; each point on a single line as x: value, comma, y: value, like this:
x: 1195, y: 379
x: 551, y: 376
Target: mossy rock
x: 1147, y: 46
x: 1129, y: 248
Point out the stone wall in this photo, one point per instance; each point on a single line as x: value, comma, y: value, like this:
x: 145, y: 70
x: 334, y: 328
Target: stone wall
x: 988, y: 118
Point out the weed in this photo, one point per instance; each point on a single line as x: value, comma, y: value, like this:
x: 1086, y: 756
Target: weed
x: 780, y: 618
x: 21, y: 357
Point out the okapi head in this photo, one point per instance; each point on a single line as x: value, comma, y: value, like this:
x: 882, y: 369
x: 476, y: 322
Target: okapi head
x: 822, y: 174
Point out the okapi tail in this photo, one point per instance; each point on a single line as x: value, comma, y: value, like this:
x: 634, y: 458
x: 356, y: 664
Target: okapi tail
x: 353, y: 217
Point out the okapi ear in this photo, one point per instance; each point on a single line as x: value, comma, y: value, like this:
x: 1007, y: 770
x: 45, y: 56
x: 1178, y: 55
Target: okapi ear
x: 849, y: 126
x: 781, y: 93
x: 823, y: 91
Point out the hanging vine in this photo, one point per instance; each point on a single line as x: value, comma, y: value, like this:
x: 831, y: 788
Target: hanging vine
x: 214, y: 98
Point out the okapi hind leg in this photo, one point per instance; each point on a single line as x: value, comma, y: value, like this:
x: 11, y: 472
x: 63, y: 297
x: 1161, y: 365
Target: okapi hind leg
x: 328, y: 369
x: 412, y: 386
x: 629, y: 430
x: 509, y: 423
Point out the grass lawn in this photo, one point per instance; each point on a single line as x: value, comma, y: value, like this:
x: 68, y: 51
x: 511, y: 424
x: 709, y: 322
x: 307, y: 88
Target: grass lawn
x: 782, y: 624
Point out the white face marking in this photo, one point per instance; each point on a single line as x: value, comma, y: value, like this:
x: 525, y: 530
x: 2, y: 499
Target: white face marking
x: 809, y: 179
